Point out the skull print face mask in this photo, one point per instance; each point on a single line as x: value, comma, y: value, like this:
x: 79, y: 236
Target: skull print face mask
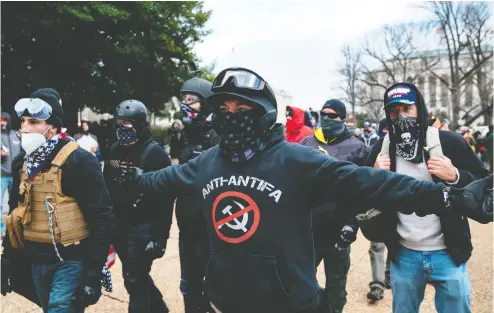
x: 406, y: 135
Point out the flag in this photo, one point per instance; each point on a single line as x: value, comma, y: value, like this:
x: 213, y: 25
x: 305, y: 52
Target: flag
x: 106, y: 280
x: 110, y: 260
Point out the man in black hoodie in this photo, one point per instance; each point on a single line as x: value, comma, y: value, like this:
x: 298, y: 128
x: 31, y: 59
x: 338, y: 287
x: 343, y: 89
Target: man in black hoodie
x: 61, y: 219
x: 142, y: 230
x: 198, y: 136
x: 429, y: 248
x: 333, y: 233
x: 256, y: 191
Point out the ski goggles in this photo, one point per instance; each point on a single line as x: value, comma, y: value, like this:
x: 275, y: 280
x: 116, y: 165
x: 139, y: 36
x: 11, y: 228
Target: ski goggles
x: 36, y: 108
x: 189, y: 99
x: 240, y: 78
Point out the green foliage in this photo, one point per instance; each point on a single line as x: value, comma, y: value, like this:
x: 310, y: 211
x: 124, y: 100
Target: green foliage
x: 160, y: 134
x: 99, y: 53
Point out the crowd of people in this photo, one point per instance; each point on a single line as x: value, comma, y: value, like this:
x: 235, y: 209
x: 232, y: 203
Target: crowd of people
x: 258, y: 205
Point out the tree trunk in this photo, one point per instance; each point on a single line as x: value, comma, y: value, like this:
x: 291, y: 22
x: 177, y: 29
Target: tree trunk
x: 455, y: 107
x: 484, y: 95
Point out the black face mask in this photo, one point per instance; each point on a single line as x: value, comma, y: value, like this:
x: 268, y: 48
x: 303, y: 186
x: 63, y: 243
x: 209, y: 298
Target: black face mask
x: 406, y: 133
x: 332, y: 128
x: 239, y: 134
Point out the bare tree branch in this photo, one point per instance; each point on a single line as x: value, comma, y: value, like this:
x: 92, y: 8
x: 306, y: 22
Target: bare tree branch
x: 463, y: 30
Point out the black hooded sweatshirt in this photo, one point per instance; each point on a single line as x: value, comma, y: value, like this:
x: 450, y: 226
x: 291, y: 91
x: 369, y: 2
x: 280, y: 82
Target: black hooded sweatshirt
x: 259, y: 221
x: 455, y: 228
x: 196, y: 139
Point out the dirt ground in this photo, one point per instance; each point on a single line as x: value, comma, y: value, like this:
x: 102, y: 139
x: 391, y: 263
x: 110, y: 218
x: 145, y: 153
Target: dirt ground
x: 166, y: 273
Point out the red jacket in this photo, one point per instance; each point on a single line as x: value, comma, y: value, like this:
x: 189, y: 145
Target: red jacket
x: 295, y: 128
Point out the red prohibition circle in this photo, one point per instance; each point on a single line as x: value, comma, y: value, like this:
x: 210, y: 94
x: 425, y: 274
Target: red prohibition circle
x: 252, y: 207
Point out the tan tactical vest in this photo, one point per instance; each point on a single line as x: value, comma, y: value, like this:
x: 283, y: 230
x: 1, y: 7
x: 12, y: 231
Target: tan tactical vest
x: 30, y: 220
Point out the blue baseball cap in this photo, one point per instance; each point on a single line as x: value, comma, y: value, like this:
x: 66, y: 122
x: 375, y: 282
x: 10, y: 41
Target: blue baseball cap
x: 367, y: 124
x: 400, y: 94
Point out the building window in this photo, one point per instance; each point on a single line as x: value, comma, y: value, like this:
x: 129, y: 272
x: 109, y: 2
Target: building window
x: 432, y: 91
x: 444, y: 91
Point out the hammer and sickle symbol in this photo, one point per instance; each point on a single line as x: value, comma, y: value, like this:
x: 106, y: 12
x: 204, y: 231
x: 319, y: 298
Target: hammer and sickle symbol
x: 239, y: 225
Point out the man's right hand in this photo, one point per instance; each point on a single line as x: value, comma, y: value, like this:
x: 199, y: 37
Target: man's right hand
x: 383, y: 162
x: 5, y: 276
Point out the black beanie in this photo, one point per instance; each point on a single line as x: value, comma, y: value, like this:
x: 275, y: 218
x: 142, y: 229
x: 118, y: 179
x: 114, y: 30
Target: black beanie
x: 337, y: 106
x: 49, y: 91
x: 56, y: 119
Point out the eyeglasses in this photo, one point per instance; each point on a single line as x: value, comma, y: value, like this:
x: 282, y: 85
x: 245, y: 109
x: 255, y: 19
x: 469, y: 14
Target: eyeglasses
x: 330, y: 115
x: 36, y: 108
x: 241, y: 78
x: 189, y: 99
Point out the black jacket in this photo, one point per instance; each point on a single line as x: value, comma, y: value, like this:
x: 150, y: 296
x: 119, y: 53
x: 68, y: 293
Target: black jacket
x: 259, y: 222
x: 195, y: 140
x: 83, y: 180
x: 350, y: 149
x: 130, y: 207
x: 455, y: 228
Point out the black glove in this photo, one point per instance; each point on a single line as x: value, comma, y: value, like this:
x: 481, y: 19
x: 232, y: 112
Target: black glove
x: 347, y: 236
x: 5, y: 275
x: 129, y: 176
x: 90, y: 290
x: 473, y: 201
x: 156, y: 249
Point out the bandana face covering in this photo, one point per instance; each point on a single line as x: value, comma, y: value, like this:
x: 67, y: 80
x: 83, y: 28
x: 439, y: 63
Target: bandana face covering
x: 406, y: 135
x: 189, y: 115
x: 127, y: 136
x: 239, y: 136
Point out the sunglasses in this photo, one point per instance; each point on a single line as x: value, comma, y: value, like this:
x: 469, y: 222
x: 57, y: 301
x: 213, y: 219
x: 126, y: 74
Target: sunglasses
x: 330, y: 115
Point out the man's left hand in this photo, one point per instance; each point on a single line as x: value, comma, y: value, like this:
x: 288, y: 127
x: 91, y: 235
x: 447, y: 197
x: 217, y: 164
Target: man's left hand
x: 442, y: 168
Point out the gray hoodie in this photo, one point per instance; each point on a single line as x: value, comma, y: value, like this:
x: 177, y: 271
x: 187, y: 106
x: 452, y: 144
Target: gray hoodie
x: 12, y: 143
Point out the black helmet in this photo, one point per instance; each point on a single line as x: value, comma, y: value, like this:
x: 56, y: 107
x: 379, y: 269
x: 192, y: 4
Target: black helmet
x: 132, y: 109
x: 248, y: 85
x: 197, y: 86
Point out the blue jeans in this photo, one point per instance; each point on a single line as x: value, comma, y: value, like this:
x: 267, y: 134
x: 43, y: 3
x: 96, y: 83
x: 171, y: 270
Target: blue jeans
x: 56, y: 285
x: 416, y: 268
x: 6, y: 186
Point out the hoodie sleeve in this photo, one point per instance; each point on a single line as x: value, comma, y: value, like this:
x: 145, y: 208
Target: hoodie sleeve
x: 362, y: 188
x: 158, y: 159
x: 172, y: 181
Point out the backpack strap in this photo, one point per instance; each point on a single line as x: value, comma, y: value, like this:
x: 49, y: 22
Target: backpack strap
x: 433, y: 142
x: 64, y: 153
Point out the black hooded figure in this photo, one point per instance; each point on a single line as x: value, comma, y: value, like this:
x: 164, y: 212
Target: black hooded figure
x: 198, y: 136
x: 141, y: 231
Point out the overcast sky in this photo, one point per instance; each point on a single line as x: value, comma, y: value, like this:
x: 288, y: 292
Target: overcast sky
x: 295, y: 45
